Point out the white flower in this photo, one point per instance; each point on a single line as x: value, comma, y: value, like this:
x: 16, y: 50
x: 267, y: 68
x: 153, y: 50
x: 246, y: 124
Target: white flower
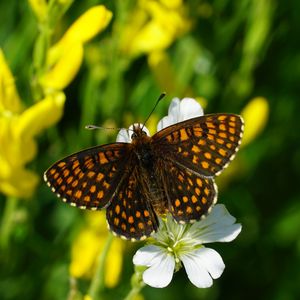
x: 178, y: 111
x: 175, y: 244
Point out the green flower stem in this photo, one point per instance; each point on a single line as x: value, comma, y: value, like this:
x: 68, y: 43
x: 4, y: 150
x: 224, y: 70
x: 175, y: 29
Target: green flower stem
x: 137, y: 284
x: 97, y: 284
x: 43, y: 42
x: 7, y: 221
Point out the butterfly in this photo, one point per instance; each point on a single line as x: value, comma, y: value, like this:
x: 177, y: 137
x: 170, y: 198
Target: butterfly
x: 171, y: 172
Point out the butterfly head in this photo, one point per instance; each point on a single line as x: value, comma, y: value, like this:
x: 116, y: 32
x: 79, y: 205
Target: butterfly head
x: 138, y: 132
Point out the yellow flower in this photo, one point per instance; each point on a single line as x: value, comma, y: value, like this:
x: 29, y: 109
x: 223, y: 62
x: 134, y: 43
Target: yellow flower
x: 18, y: 128
x: 9, y: 98
x: 153, y: 26
x: 255, y: 115
x: 65, y: 57
x: 87, y: 247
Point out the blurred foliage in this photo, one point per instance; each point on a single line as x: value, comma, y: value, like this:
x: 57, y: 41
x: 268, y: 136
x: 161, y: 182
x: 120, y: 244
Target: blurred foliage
x: 240, y: 56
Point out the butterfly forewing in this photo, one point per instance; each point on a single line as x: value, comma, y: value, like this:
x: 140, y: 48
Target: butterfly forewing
x: 88, y: 179
x: 189, y: 195
x: 130, y: 214
x: 204, y: 144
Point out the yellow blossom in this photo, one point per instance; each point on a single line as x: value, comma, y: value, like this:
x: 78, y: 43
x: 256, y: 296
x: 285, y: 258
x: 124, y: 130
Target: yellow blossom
x: 9, y: 98
x: 18, y: 128
x: 65, y: 57
x: 255, y: 115
x: 153, y: 26
x: 88, y: 245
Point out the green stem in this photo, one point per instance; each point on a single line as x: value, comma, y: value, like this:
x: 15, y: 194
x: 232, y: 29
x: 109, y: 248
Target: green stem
x: 7, y: 221
x: 97, y: 284
x: 43, y: 43
x: 137, y: 284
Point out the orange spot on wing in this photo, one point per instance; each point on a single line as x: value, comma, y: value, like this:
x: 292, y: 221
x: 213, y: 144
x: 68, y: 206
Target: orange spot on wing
x: 222, y: 118
x: 141, y: 225
x: 220, y: 141
x: 74, y: 183
x: 117, y: 209
x: 130, y: 220
x: 189, y: 210
x: 194, y: 199
x: 231, y: 130
x: 91, y: 174
x: 87, y: 199
x: 102, y: 158
x: 99, y: 177
x: 222, y: 127
x: 100, y: 195
x: 177, y: 202
x: 204, y: 164
x: 66, y: 173
x: 207, y: 155
x: 183, y: 135
x: 78, y: 194
x: 223, y: 135
x: 196, y: 149
x: 61, y: 164
x: 75, y: 164
x: 199, y: 182
x: 93, y: 189
x: 222, y: 152
x: 204, y: 200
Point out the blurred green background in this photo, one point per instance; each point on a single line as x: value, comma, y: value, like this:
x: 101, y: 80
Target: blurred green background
x: 226, y: 53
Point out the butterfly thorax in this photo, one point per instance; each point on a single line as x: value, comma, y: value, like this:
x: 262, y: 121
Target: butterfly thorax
x: 143, y: 149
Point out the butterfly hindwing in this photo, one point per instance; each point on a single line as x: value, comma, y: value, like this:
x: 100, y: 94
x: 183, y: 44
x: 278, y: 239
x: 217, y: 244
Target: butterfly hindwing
x: 189, y: 196
x: 204, y: 144
x: 89, y: 178
x: 130, y: 214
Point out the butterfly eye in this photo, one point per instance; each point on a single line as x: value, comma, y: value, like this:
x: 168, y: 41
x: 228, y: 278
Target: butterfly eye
x: 144, y: 132
x: 134, y: 136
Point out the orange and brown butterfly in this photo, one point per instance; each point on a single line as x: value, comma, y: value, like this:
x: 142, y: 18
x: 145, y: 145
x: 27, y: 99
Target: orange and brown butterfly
x: 171, y: 172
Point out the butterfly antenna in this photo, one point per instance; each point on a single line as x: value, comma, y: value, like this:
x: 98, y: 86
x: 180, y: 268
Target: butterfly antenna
x: 92, y: 127
x: 162, y: 95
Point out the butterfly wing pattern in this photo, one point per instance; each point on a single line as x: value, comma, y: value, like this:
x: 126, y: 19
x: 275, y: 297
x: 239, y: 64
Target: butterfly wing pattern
x: 130, y: 214
x: 173, y: 171
x: 195, y: 151
x: 90, y: 178
x: 204, y: 144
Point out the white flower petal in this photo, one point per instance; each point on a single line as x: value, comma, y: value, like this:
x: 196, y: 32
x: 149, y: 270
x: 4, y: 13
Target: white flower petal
x: 189, y: 108
x: 161, y: 265
x: 179, y: 111
x: 202, y: 265
x: 171, y: 118
x: 146, y: 255
x: 160, y: 274
x: 218, y: 226
x: 123, y: 136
